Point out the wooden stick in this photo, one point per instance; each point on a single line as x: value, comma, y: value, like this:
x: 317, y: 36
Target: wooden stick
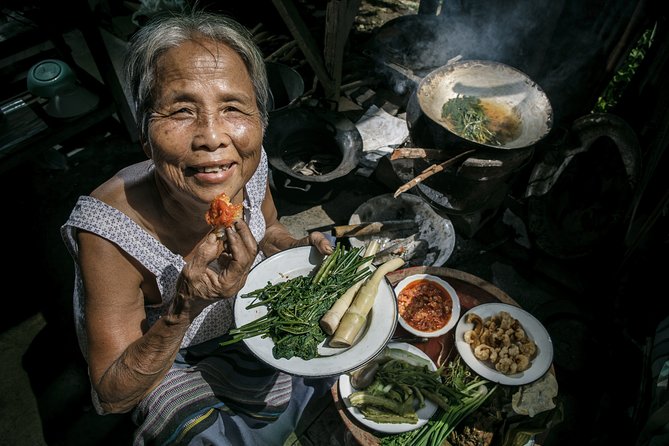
x: 282, y: 49
x: 373, y: 227
x: 256, y: 28
x: 417, y: 152
x: 429, y: 172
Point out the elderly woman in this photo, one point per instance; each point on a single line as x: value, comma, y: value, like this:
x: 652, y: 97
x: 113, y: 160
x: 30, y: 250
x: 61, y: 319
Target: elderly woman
x: 154, y: 285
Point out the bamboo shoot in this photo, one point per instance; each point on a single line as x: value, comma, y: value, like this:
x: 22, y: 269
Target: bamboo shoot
x: 356, y: 314
x: 330, y: 320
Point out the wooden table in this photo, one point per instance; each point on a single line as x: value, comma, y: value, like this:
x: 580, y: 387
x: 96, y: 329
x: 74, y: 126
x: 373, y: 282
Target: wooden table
x: 471, y: 290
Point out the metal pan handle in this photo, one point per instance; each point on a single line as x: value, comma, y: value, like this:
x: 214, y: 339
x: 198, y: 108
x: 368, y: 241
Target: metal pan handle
x: 287, y: 185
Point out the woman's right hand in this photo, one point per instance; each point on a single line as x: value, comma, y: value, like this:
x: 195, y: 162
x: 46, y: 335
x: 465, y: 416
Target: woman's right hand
x: 218, y: 269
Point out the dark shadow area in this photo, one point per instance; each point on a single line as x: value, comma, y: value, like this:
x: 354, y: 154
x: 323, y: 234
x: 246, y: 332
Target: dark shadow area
x: 53, y: 362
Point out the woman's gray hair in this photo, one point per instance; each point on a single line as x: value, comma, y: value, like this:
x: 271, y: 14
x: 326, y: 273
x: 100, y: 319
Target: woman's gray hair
x: 164, y: 32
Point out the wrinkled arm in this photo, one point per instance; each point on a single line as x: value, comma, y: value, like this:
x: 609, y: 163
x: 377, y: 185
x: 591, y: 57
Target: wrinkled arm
x: 124, y: 363
x: 126, y: 359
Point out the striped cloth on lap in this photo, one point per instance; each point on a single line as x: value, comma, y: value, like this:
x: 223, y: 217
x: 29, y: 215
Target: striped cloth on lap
x: 205, y: 382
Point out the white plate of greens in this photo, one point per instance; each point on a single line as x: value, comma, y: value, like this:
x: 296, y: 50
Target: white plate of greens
x: 424, y: 413
x: 305, y: 261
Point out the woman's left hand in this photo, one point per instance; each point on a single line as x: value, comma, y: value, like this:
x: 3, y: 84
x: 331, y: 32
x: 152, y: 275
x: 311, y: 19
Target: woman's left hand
x: 277, y: 238
x: 318, y: 240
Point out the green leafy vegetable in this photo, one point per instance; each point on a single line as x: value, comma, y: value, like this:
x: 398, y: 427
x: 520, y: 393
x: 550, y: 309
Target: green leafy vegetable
x: 623, y: 77
x: 295, y: 307
x: 469, y: 120
x: 399, y: 387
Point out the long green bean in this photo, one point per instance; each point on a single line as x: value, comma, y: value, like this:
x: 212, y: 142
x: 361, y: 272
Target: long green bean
x: 295, y: 306
x: 472, y: 391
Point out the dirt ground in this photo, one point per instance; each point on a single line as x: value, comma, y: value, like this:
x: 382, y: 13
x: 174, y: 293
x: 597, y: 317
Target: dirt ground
x: 374, y: 13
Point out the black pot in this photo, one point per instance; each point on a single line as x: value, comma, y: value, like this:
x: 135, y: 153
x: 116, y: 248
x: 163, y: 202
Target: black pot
x: 310, y: 150
x: 581, y: 189
x: 285, y: 84
x: 478, y: 183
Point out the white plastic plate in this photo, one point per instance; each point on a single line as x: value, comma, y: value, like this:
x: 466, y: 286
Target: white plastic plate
x: 533, y: 328
x: 424, y: 414
x: 302, y: 261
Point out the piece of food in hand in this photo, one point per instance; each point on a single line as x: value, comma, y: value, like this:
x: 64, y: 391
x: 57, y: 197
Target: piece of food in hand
x: 222, y: 214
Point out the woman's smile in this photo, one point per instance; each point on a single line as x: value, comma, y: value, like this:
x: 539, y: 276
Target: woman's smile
x: 212, y: 173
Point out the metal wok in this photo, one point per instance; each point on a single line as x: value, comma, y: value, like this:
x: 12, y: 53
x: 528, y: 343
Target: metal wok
x: 495, y: 82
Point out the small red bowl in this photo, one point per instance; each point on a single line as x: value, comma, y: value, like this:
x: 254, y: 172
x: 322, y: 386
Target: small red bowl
x: 438, y: 284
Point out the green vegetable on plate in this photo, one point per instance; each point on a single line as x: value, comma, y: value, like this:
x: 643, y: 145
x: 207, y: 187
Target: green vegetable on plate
x: 295, y: 306
x: 470, y: 392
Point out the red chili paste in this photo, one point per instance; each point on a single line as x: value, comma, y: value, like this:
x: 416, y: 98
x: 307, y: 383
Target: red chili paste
x: 425, y: 305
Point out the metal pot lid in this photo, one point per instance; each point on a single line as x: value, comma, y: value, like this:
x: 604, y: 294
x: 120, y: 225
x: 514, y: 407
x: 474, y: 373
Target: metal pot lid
x: 286, y: 85
x: 434, y: 230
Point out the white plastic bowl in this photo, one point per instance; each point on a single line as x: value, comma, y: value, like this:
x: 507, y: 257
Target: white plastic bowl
x: 455, y: 311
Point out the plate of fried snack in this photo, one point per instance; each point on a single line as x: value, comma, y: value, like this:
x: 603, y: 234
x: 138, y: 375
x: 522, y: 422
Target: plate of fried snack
x: 504, y: 343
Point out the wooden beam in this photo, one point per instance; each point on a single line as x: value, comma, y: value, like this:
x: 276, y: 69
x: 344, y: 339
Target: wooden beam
x: 340, y: 15
x: 291, y: 17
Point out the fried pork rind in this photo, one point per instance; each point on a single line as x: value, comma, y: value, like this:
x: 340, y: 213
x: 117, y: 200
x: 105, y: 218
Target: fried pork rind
x: 501, y: 342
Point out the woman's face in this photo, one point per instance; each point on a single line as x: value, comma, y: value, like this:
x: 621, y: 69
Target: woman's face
x: 205, y: 132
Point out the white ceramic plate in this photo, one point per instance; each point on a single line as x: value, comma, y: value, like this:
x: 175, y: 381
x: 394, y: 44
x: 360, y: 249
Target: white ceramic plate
x: 455, y: 307
x: 434, y: 229
x: 424, y: 414
x: 533, y: 328
x: 302, y: 261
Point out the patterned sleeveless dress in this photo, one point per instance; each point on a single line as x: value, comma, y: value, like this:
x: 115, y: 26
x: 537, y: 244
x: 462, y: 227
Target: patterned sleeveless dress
x: 212, y: 395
